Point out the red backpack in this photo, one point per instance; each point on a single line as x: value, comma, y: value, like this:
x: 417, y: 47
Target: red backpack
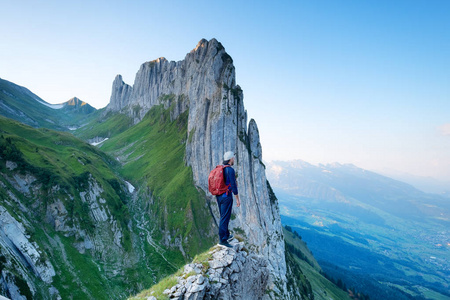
x: 216, y: 181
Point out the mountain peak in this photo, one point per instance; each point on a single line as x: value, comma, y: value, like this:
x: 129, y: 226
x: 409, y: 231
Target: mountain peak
x: 78, y: 105
x: 156, y: 61
x: 203, y: 43
x: 75, y: 102
x: 207, y: 64
x: 204, y: 84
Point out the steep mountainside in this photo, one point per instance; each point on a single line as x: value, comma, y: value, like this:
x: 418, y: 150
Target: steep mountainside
x: 203, y: 84
x: 20, y: 104
x: 309, y: 275
x: 59, y: 200
x: 104, y: 222
x: 152, y: 157
x: 69, y: 194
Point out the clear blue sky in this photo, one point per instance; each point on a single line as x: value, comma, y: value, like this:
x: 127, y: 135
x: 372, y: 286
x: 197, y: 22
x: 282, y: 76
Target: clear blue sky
x: 363, y: 82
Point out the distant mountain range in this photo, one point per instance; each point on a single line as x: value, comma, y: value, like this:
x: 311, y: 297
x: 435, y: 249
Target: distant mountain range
x: 426, y: 184
x: 19, y: 103
x: 368, y: 226
x: 350, y: 185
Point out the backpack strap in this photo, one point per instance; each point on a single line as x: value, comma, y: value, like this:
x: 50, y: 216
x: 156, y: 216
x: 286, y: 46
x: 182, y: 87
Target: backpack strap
x: 229, y: 185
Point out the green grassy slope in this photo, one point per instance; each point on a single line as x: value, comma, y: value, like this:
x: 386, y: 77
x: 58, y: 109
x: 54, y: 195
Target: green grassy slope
x: 20, y: 104
x: 68, y: 159
x: 63, y: 167
x: 308, y: 272
x: 164, y: 225
x: 152, y: 153
x: 104, y: 126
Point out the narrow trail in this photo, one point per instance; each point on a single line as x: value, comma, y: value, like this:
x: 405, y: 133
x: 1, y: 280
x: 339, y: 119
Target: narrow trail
x: 141, y: 223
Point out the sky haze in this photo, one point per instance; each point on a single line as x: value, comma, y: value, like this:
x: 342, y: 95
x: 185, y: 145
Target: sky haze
x: 356, y: 82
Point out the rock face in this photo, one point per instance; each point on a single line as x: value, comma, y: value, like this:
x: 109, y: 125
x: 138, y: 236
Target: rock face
x: 13, y: 237
x: 204, y: 83
x: 230, y: 273
x: 30, y: 262
x: 120, y: 94
x: 15, y: 241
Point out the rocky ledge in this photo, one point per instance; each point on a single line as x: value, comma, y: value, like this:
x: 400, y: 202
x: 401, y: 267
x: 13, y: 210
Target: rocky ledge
x: 226, y: 273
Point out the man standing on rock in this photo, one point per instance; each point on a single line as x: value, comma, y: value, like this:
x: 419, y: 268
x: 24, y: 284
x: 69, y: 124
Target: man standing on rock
x: 225, y: 200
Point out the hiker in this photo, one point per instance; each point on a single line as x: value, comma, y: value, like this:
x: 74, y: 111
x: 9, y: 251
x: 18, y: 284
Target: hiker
x: 225, y: 198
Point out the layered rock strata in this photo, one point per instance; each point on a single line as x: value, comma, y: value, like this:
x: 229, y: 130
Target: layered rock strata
x: 204, y: 83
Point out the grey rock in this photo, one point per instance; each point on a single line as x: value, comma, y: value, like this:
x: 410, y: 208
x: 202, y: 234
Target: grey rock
x: 248, y: 282
x: 189, y: 268
x: 177, y: 295
x: 173, y: 289
x: 228, y: 259
x: 205, y: 84
x: 120, y: 94
x: 226, y: 273
x: 195, y: 288
x: 200, y: 279
x: 216, y: 264
x: 10, y: 165
x: 234, y: 267
x: 9, y: 282
x: 13, y: 238
x: 223, y: 281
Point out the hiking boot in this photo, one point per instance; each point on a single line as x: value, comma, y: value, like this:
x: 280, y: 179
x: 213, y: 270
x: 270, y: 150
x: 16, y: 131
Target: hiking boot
x: 230, y: 237
x: 225, y: 244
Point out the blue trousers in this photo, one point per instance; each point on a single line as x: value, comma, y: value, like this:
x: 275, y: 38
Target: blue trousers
x: 225, y: 203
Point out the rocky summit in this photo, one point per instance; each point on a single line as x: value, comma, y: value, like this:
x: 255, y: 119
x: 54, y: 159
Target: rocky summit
x: 227, y: 273
x: 204, y: 83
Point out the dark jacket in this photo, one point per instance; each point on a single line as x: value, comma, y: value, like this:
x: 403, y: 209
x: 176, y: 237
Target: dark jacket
x: 230, y: 179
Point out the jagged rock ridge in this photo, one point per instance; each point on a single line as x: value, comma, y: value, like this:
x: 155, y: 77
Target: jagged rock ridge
x: 229, y: 273
x: 204, y: 83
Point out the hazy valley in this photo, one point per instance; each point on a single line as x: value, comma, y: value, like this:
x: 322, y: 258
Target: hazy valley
x: 379, y: 234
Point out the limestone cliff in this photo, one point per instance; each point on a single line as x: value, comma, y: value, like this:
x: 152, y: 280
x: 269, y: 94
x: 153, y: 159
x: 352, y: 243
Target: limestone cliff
x: 204, y: 83
x: 120, y: 94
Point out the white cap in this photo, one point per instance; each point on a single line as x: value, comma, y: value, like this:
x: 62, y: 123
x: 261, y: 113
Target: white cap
x: 228, y: 155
